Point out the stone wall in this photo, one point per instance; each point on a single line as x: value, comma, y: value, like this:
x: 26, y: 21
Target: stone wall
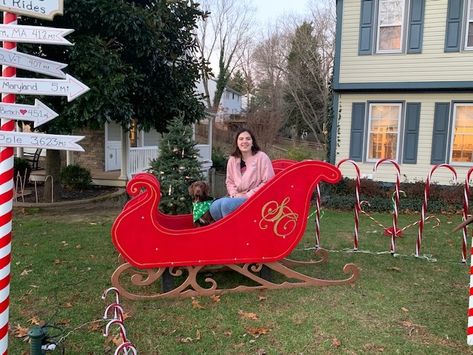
x: 94, y: 145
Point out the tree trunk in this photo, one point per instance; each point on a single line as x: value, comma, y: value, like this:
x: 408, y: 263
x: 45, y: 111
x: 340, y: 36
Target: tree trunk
x: 52, y: 185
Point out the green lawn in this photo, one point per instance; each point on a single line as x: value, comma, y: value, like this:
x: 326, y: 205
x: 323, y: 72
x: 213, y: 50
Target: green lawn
x: 62, y: 262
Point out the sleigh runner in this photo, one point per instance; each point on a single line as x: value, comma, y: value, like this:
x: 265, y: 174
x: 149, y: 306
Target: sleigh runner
x: 263, y: 231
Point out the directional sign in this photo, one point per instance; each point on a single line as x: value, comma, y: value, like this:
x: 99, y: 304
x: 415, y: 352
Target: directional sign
x: 40, y: 140
x: 45, y: 9
x: 32, y: 63
x: 34, y: 34
x: 69, y: 87
x: 38, y: 113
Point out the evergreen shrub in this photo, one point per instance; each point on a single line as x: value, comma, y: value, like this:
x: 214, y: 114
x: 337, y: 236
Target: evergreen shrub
x: 75, y: 177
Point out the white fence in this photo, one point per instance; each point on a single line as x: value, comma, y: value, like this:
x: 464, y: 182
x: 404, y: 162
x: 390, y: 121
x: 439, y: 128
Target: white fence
x: 140, y: 157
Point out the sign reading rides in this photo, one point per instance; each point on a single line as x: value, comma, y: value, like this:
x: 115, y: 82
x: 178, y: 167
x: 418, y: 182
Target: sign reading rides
x: 44, y: 9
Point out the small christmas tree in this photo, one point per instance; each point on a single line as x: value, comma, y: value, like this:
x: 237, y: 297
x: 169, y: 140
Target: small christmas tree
x: 176, y: 168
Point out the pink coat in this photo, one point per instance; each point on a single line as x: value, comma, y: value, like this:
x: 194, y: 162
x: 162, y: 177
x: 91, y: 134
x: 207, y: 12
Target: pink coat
x: 259, y: 170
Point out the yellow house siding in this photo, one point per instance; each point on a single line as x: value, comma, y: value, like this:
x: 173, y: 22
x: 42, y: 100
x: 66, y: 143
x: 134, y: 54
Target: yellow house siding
x: 410, y: 172
x: 430, y: 65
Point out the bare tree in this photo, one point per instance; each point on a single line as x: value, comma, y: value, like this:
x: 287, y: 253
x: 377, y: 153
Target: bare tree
x: 223, y: 36
x: 310, y: 62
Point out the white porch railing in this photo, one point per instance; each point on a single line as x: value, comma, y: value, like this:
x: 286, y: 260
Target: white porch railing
x: 140, y: 157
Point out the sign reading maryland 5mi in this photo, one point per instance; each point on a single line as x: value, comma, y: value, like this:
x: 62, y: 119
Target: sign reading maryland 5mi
x: 45, y: 9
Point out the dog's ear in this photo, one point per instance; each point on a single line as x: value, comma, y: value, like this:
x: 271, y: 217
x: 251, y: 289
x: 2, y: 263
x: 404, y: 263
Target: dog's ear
x: 191, y: 189
x: 205, y: 188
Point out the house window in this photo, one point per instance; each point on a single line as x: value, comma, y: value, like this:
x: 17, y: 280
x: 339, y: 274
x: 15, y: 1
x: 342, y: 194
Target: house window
x: 469, y: 26
x: 383, y: 131
x: 462, y: 137
x: 390, y: 26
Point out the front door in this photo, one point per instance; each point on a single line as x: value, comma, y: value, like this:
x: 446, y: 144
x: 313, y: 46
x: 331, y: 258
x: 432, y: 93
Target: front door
x: 113, y: 146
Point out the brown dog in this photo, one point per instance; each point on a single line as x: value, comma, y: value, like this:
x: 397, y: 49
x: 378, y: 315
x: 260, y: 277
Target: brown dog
x: 201, y: 201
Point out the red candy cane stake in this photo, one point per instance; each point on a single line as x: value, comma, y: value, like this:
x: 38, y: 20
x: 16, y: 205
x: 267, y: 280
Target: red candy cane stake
x: 466, y: 209
x: 469, y: 330
x: 423, y: 213
x: 357, y: 208
x: 6, y: 203
x: 317, y: 219
x: 395, y: 231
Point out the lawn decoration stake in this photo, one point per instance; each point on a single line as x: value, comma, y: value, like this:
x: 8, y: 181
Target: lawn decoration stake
x: 425, y: 203
x: 70, y: 87
x: 357, y: 208
x: 317, y: 218
x: 395, y: 232
x: 118, y: 317
x: 262, y: 232
x: 466, y: 211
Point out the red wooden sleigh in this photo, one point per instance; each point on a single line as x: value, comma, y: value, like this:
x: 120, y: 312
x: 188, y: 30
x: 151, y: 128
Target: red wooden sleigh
x: 263, y: 231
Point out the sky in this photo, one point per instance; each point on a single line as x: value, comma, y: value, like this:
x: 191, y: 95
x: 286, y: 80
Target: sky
x: 268, y: 11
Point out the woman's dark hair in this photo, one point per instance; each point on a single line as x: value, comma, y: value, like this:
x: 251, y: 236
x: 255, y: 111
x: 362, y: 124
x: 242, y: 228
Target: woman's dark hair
x: 254, y: 148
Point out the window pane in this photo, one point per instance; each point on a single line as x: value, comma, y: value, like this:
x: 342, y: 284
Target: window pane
x: 462, y: 150
x: 390, y: 12
x: 470, y: 35
x: 390, y: 38
x: 384, y: 123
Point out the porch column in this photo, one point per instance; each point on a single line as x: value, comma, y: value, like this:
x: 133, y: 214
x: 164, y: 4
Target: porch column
x: 124, y: 151
x: 69, y: 157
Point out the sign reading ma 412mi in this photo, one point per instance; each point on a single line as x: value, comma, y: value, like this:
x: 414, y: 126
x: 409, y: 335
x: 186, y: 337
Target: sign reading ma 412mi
x: 44, y: 9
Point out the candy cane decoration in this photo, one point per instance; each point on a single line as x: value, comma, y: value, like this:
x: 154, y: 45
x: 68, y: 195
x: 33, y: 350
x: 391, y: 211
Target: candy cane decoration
x: 469, y: 330
x: 395, y: 231
x: 466, y: 209
x: 357, y: 208
x: 6, y: 202
x: 317, y: 219
x: 425, y: 203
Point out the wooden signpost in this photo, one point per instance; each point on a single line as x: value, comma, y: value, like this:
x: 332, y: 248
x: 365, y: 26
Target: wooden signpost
x: 38, y: 113
x: 44, y: 9
x: 32, y: 63
x: 69, y: 87
x: 66, y: 85
x: 34, y: 34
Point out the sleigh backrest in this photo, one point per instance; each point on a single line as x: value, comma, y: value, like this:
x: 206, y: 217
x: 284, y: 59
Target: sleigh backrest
x: 281, y: 164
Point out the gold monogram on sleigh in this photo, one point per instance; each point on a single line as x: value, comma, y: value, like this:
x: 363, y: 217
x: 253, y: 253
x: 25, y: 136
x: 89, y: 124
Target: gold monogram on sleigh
x: 280, y: 216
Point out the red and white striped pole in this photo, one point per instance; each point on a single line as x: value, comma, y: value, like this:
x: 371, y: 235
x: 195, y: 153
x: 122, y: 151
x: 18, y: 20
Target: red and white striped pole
x: 423, y: 213
x: 466, y: 210
x: 6, y: 202
x: 357, y: 201
x: 469, y: 329
x: 317, y: 218
x: 395, y: 230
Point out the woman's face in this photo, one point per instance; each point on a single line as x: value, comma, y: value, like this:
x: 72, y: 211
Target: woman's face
x: 244, y: 142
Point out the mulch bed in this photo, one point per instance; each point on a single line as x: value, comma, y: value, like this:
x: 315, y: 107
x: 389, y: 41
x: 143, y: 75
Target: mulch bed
x: 67, y: 195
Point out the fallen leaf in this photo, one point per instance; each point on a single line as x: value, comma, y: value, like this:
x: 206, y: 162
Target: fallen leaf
x: 196, y: 304
x: 262, y: 298
x: 215, y: 298
x: 35, y: 321
x: 58, y: 262
x: 257, y: 331
x: 394, y: 268
x: 78, y: 246
x: 117, y: 340
x: 19, y: 331
x: 197, y: 335
x: 404, y: 309
x: 25, y: 272
x: 336, y: 343
x: 228, y: 333
x: 186, y: 340
x: 68, y: 305
x: 95, y: 326
x: 247, y: 315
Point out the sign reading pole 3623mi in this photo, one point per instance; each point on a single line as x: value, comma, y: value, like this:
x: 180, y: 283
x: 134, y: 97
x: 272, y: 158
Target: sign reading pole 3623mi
x: 45, y: 9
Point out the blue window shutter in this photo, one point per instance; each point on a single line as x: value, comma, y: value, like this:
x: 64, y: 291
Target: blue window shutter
x: 416, y: 26
x: 411, y: 133
x: 440, y: 133
x: 454, y: 26
x: 365, y: 42
x: 357, y: 131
